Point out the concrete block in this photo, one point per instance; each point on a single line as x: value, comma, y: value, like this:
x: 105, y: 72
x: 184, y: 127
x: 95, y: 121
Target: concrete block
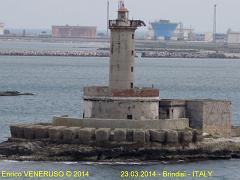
x: 102, y: 135
x: 56, y: 133
x: 86, y: 135
x: 211, y: 116
x: 158, y: 135
x: 235, y: 132
x: 120, y: 135
x: 29, y: 132
x: 42, y: 132
x: 20, y: 131
x: 70, y: 135
x: 129, y: 135
x: 197, y: 136
x: 172, y: 137
x: 147, y: 136
x: 13, y: 130
x: 139, y: 136
x: 17, y: 131
x: 186, y: 136
x: 111, y: 138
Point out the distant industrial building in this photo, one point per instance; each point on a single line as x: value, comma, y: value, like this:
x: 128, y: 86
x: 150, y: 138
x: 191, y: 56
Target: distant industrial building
x: 74, y: 31
x: 183, y: 34
x: 6, y: 32
x: 208, y: 37
x: 233, y: 37
x: 163, y: 29
x: 1, y: 28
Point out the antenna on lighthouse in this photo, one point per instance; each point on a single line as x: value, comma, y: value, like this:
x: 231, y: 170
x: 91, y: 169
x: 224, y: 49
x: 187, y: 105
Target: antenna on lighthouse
x: 121, y: 4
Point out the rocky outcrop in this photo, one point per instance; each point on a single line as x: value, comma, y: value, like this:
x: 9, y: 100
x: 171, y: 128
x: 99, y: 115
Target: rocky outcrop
x: 44, y: 150
x: 14, y: 93
x: 45, y: 142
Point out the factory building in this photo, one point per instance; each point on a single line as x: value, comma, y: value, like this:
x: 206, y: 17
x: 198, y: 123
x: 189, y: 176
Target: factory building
x: 1, y: 29
x: 208, y: 37
x: 233, y: 37
x: 163, y: 29
x: 74, y: 31
x: 183, y: 34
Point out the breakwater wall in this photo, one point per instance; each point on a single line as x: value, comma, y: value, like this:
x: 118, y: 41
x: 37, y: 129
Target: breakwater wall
x: 186, y: 54
x: 145, y: 53
x: 104, y: 136
x: 53, y: 53
x: 44, y: 142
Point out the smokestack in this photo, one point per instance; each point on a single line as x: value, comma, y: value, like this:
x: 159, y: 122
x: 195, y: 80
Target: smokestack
x: 214, y: 23
x: 107, y: 19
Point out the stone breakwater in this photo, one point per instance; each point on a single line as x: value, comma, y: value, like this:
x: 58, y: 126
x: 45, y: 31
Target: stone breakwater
x: 53, y: 53
x: 44, y: 142
x: 185, y: 54
x: 103, y: 136
x: 147, y: 53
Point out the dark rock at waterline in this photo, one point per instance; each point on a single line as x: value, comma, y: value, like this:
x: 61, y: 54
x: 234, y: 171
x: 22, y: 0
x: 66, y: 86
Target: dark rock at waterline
x: 14, y: 93
x: 45, y: 150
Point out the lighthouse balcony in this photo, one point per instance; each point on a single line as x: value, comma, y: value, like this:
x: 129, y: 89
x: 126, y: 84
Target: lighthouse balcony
x: 126, y: 23
x: 105, y: 91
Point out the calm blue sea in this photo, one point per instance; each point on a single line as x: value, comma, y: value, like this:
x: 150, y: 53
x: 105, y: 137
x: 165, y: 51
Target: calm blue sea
x: 58, y: 83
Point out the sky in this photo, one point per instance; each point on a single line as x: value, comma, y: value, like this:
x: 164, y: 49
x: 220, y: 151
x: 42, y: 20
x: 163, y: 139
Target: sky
x: 198, y: 14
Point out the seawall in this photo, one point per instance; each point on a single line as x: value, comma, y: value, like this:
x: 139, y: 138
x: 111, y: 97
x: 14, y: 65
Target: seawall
x: 44, y: 142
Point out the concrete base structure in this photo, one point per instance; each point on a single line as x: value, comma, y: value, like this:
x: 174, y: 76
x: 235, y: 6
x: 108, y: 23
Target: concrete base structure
x: 172, y: 108
x: 104, y: 136
x: 122, y: 123
x: 104, y: 103
x: 211, y: 116
x: 121, y: 108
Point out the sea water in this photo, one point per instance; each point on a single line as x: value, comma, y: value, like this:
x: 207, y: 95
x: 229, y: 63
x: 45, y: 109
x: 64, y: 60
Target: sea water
x: 58, y: 82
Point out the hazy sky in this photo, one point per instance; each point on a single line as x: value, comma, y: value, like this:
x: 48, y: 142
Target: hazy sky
x: 44, y: 13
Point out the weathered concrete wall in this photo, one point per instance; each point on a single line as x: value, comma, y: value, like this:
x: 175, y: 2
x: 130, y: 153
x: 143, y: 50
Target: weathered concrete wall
x: 235, y: 132
x: 136, y: 92
x: 104, y: 136
x: 104, y: 91
x: 172, y: 109
x: 122, y: 56
x: 195, y: 114
x: 93, y: 91
x: 212, y: 116
x: 122, y: 123
x: 86, y: 135
x: 120, y: 135
x: 117, y: 108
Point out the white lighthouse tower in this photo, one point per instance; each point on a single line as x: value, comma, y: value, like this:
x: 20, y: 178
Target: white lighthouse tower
x: 121, y: 75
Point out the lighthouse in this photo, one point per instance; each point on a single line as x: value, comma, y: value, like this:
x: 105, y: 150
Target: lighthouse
x: 122, y: 54
x: 121, y: 99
